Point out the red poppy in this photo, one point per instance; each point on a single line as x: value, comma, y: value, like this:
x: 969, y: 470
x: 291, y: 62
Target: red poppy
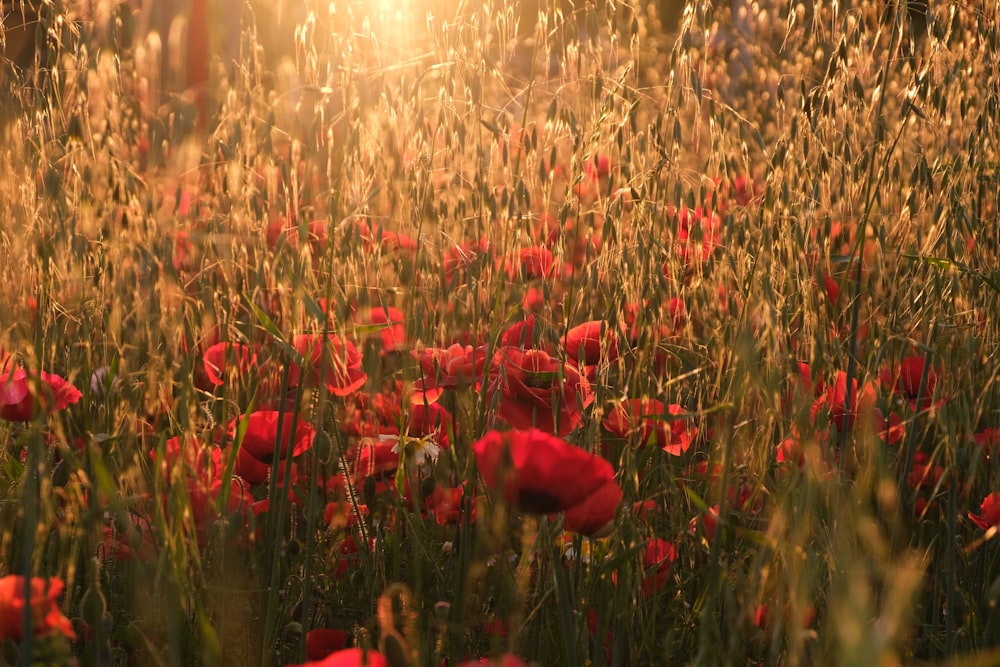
x: 451, y: 367
x: 350, y: 657
x: 368, y: 415
x: 198, y: 460
x: 459, y: 258
x: 657, y: 558
x: 521, y: 334
x: 446, y: 503
x: 392, y: 334
x: 988, y: 439
x: 19, y: 403
x: 321, y: 642
x: 835, y: 399
x: 595, y: 516
x: 699, y: 234
x: 923, y: 473
x: 904, y: 378
x: 596, y: 172
x: 585, y: 343
x: 989, y: 512
x: 343, y: 373
x: 709, y: 519
x: 651, y: 419
x: 533, y: 390
x: 377, y: 458
x: 222, y: 357
x: 431, y: 419
x: 261, y: 442
x: 538, y: 472
x: 46, y: 617
x: 533, y: 262
x: 185, y: 252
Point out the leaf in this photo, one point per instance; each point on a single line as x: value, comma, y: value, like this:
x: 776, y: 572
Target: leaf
x: 270, y: 327
x: 991, y: 280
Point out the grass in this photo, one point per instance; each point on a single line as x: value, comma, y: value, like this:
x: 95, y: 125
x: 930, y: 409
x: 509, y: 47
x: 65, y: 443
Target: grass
x: 750, y: 190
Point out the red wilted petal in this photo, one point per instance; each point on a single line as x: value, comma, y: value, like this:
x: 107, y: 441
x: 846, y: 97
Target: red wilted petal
x: 584, y: 343
x: 595, y: 516
x: 538, y: 472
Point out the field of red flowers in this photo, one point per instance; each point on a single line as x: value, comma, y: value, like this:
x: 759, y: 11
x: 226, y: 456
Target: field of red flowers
x: 383, y: 333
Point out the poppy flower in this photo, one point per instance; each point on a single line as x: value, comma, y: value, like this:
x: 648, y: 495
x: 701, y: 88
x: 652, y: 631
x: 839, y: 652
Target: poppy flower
x: 377, y: 237
x: 520, y: 334
x: 226, y: 356
x: 321, y: 642
x: 450, y: 368
x: 460, y: 257
x: 377, y: 458
x: 19, y: 402
x: 657, y: 557
x: 709, y: 520
x: 392, y: 334
x: 989, y: 515
x: 343, y: 373
x: 654, y: 422
x: 538, y: 472
x: 595, y: 174
x: 185, y: 252
x: 369, y: 415
x: 585, y: 343
x: 431, y: 419
x: 46, y: 617
x: 699, y: 234
x: 835, y: 400
x: 532, y: 262
x: 200, y: 461
x: 261, y: 442
x: 904, y: 378
x: 446, y: 504
x: 988, y: 439
x: 923, y: 473
x: 533, y: 390
x: 350, y: 657
x: 595, y: 516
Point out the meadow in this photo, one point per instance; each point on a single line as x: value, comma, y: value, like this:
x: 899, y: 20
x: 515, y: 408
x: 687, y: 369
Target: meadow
x: 589, y: 332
